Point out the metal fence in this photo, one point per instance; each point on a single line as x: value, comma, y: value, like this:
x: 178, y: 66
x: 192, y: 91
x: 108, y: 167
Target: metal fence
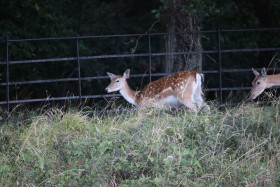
x: 77, y: 58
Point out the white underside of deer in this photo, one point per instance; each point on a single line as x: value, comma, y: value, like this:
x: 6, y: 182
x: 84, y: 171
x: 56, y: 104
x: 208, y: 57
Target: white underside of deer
x: 174, y: 90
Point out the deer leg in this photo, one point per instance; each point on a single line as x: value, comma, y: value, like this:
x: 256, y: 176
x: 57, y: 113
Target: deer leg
x: 197, y: 97
x: 187, y: 102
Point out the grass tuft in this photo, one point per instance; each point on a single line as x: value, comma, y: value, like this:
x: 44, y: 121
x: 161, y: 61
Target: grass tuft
x: 236, y: 146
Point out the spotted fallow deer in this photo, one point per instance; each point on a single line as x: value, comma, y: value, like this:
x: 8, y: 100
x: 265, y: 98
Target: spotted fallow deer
x: 179, y: 88
x: 263, y: 81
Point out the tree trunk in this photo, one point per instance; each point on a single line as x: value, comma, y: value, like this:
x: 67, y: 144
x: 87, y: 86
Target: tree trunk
x: 176, y: 20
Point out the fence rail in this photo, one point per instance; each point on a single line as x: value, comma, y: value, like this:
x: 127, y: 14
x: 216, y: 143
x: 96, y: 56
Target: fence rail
x: 80, y: 59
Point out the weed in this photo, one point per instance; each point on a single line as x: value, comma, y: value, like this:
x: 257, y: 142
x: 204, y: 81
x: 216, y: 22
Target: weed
x: 154, y: 147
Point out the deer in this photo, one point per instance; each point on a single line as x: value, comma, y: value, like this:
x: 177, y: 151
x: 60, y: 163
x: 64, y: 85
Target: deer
x: 263, y: 81
x: 184, y: 87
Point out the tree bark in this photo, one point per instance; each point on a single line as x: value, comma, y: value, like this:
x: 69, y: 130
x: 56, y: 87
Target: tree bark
x: 177, y: 20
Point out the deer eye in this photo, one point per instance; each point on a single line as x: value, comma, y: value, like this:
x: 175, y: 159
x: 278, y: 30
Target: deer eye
x: 258, y: 83
x: 117, y: 81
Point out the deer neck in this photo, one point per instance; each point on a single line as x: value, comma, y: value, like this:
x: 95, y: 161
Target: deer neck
x: 273, y: 80
x: 129, y: 94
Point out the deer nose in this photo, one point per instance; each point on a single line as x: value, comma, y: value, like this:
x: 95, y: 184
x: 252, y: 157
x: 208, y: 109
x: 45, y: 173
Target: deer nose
x: 252, y: 97
x: 107, y: 89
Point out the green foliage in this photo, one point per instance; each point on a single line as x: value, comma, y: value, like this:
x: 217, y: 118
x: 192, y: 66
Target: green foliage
x: 199, y: 8
x: 21, y: 19
x: 36, y: 19
x: 233, y: 147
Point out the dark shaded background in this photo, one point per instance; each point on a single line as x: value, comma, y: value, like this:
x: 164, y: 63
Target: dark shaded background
x: 57, y: 18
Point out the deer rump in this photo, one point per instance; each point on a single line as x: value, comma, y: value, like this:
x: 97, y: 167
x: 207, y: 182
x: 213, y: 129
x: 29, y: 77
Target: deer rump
x: 182, y: 88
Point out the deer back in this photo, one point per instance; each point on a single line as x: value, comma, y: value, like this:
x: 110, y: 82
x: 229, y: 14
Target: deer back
x: 168, y: 86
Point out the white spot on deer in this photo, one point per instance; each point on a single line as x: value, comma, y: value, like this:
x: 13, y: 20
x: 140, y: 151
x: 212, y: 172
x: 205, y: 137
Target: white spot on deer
x: 184, y: 83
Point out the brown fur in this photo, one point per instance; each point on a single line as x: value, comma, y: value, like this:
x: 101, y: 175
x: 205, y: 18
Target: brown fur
x: 181, y: 87
x: 157, y: 87
x: 263, y: 81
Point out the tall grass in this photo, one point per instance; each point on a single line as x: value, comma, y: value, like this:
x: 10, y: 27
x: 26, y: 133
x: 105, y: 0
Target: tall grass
x: 229, y: 147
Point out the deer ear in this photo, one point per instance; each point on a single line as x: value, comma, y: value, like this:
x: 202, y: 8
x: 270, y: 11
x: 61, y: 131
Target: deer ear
x: 263, y: 72
x: 111, y: 75
x: 255, y: 72
x: 126, y: 74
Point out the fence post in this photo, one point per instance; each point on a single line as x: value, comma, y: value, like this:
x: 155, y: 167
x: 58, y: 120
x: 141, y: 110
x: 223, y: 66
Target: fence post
x: 150, y: 57
x: 7, y: 78
x: 220, y: 66
x: 79, y: 69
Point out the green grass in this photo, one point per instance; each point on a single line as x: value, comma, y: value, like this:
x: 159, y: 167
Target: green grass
x: 236, y: 146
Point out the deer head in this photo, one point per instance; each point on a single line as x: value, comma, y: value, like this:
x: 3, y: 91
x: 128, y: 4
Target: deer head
x: 117, y: 82
x: 260, y: 83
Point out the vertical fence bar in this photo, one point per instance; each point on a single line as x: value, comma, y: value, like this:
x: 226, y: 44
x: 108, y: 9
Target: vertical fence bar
x: 220, y: 66
x: 7, y: 79
x: 150, y: 57
x: 79, y: 69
